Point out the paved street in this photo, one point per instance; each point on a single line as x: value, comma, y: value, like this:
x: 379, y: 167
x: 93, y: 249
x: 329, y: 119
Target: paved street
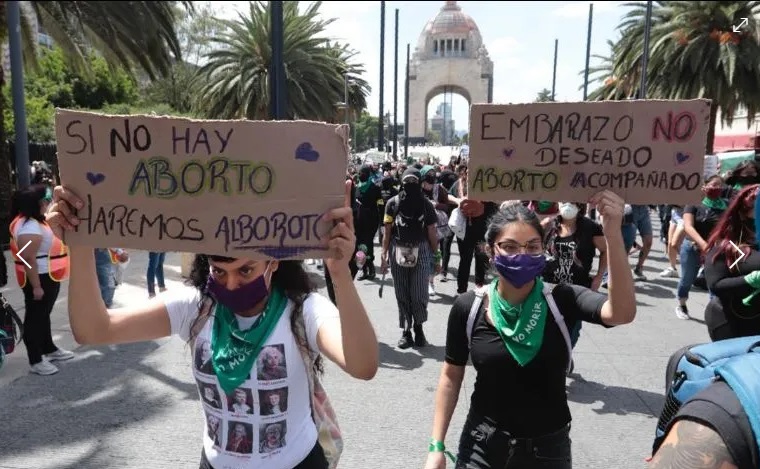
x: 136, y: 406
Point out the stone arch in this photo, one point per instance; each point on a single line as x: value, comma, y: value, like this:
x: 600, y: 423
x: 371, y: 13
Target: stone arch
x: 450, y: 56
x: 441, y: 89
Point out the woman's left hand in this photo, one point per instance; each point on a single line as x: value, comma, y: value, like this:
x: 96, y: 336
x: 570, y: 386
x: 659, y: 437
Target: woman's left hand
x: 341, y: 241
x: 611, y: 207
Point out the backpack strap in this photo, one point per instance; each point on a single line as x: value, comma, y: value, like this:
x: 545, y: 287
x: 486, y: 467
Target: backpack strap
x: 742, y: 373
x: 479, y: 294
x: 560, y: 320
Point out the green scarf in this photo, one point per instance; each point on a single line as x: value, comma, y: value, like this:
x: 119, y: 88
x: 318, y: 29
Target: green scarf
x: 234, y: 351
x: 364, y: 186
x: 521, y: 331
x: 715, y: 204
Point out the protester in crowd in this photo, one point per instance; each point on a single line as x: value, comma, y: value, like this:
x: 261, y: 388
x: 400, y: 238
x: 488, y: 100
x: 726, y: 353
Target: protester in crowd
x: 734, y: 309
x: 674, y: 241
x: 477, y: 214
x: 517, y: 334
x: 642, y: 222
x: 41, y: 264
x: 571, y: 240
x: 155, y: 273
x: 440, y: 200
x: 744, y: 174
x: 410, y: 249
x: 249, y: 304
x: 388, y: 189
x: 447, y: 179
x: 368, y: 197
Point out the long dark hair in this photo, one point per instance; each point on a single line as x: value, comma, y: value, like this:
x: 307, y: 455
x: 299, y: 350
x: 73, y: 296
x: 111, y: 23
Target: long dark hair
x: 554, y: 228
x: 26, y: 202
x: 733, y: 225
x: 290, y: 276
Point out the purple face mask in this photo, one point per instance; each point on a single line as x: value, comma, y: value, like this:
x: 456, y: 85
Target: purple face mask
x: 520, y: 269
x: 241, y: 299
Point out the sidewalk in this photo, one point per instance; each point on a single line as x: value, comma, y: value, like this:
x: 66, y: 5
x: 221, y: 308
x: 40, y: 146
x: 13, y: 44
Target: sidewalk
x: 134, y: 286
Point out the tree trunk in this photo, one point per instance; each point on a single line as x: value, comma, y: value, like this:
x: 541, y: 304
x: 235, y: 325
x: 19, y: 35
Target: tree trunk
x: 711, y: 128
x: 6, y: 182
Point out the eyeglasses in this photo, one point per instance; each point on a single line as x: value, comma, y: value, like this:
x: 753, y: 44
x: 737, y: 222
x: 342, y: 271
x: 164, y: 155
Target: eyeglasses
x: 512, y: 248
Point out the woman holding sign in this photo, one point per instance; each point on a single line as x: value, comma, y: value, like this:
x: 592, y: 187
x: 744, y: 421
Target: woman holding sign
x: 516, y: 333
x: 263, y: 328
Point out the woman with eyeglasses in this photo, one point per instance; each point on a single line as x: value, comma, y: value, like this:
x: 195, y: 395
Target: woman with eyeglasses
x: 41, y: 264
x: 264, y: 326
x: 732, y: 276
x: 515, y: 331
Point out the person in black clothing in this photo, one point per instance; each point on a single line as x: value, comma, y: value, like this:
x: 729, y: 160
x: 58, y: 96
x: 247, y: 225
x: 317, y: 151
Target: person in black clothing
x: 712, y: 427
x: 368, y: 196
x: 447, y: 179
x: 733, y: 311
x: 352, y: 263
x: 519, y: 347
x: 388, y: 190
x: 478, y: 214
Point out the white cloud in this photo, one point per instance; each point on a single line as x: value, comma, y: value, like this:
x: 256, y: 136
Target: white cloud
x: 580, y: 9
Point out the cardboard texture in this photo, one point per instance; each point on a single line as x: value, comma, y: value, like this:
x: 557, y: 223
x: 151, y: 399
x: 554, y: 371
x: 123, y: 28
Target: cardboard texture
x: 252, y: 189
x: 648, y: 152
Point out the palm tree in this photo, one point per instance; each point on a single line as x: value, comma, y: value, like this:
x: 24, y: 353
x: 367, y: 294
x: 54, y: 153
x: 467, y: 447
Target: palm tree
x: 544, y: 96
x: 129, y: 34
x: 694, y: 53
x: 234, y: 82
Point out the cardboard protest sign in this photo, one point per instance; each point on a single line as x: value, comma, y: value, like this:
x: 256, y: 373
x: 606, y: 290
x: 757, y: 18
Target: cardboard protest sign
x: 234, y: 188
x: 648, y: 152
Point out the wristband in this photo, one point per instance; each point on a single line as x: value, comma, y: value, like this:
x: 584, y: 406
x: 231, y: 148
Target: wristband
x: 436, y: 446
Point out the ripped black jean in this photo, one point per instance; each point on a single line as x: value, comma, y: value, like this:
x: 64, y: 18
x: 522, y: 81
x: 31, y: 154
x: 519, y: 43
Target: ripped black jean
x: 484, y: 446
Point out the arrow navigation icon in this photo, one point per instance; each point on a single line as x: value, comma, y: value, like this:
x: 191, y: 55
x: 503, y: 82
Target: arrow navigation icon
x: 18, y: 254
x: 744, y: 22
x: 741, y: 254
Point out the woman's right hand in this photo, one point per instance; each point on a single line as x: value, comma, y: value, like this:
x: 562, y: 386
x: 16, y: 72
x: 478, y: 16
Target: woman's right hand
x: 436, y: 460
x: 61, y: 215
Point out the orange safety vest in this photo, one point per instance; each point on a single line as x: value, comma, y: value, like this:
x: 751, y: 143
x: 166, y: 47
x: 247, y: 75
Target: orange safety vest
x: 58, y: 256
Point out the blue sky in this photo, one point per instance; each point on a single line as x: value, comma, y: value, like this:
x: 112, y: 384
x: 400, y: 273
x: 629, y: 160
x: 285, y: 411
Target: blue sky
x: 519, y: 37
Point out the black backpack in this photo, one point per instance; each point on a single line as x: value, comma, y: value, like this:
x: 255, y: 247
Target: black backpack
x: 11, y: 325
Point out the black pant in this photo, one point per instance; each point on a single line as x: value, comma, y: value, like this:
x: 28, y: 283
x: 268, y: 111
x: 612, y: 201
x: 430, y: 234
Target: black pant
x: 38, y: 336
x: 467, y: 249
x: 445, y: 245
x: 328, y: 279
x: 315, y: 460
x: 484, y: 446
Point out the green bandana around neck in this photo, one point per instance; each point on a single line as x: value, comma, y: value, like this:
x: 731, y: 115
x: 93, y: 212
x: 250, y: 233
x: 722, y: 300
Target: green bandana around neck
x: 520, y: 327
x: 364, y: 186
x: 234, y: 351
x: 715, y: 204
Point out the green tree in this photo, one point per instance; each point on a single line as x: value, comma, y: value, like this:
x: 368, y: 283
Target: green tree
x: 365, y: 129
x: 234, y: 82
x: 134, y: 35
x: 466, y: 139
x: 544, y: 96
x: 694, y: 53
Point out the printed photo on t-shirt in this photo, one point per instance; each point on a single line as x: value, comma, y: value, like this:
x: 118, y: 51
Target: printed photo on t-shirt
x: 240, y: 437
x: 240, y: 401
x: 271, y: 363
x: 210, y: 394
x: 214, y: 428
x: 273, y: 401
x: 272, y: 436
x: 203, y: 361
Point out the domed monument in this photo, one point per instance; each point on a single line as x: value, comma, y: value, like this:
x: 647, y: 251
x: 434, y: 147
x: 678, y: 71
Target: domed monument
x: 449, y: 58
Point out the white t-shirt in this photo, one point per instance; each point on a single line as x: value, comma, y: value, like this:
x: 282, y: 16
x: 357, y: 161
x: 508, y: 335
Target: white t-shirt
x: 266, y: 422
x: 30, y: 226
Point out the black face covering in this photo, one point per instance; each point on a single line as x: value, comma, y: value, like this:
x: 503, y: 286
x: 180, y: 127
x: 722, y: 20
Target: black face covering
x: 363, y: 177
x: 411, y: 198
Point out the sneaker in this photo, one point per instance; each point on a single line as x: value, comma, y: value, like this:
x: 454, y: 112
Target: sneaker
x: 60, y: 355
x: 431, y: 289
x: 406, y: 340
x: 669, y: 272
x: 639, y: 275
x: 44, y: 368
x: 682, y: 312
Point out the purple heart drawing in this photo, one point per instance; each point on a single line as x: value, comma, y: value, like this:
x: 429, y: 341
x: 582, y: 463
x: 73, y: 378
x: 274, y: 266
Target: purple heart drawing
x: 507, y: 152
x: 306, y: 152
x: 682, y: 158
x: 95, y: 178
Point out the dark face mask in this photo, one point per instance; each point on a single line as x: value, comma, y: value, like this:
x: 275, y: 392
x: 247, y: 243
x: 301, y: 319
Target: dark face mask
x: 364, y: 177
x: 713, y: 192
x: 519, y: 269
x: 241, y: 299
x: 412, y: 188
